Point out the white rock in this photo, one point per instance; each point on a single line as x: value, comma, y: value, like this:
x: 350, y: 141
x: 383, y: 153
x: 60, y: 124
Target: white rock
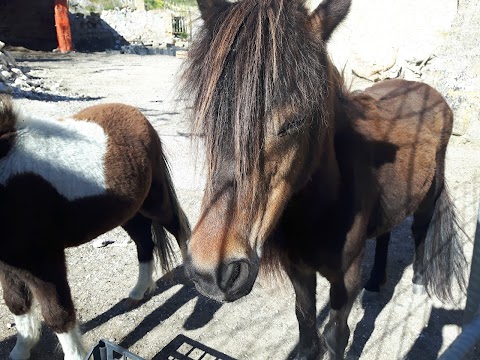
x: 18, y: 82
x: 9, y: 58
x: 6, y: 74
x: 16, y: 71
x: 2, y: 45
x: 3, y: 60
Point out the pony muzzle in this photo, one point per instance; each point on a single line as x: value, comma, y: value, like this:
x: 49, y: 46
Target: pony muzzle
x: 227, y: 282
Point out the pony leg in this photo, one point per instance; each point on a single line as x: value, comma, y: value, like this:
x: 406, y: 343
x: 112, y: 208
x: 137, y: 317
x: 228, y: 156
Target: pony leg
x: 378, y: 276
x: 343, y: 293
x: 304, y: 284
x: 50, y: 288
x: 72, y: 344
x: 421, y: 221
x: 139, y: 229
x: 18, y: 299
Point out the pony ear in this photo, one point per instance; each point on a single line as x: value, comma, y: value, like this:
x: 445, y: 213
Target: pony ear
x: 326, y: 17
x: 210, y: 8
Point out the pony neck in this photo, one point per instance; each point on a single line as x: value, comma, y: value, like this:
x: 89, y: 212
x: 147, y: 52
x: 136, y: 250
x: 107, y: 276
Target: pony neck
x: 327, y: 172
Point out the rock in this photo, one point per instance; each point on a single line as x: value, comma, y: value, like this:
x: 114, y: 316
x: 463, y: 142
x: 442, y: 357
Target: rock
x: 455, y: 71
x: 9, y: 58
x: 2, y: 45
x: 13, y: 79
x: 379, y: 37
x: 6, y: 75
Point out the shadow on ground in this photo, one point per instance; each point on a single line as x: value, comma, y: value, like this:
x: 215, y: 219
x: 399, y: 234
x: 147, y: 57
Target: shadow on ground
x: 400, y: 256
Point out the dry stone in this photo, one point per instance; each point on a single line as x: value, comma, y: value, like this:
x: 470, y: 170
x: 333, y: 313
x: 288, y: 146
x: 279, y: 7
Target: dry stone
x: 455, y: 70
x: 14, y: 79
x: 382, y: 39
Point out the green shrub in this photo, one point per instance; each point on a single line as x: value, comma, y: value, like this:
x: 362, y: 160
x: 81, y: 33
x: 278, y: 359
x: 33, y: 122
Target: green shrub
x: 154, y: 4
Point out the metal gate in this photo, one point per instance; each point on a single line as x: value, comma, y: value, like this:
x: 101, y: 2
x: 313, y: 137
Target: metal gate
x: 181, y: 26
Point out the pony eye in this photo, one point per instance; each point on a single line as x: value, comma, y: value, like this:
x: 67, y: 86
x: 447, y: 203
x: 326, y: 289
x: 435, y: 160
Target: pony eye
x: 290, y: 127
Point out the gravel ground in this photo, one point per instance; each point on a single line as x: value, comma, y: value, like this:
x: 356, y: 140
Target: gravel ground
x: 391, y: 325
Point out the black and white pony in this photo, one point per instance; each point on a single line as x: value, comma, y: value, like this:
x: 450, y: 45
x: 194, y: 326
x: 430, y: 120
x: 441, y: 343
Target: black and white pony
x: 65, y: 182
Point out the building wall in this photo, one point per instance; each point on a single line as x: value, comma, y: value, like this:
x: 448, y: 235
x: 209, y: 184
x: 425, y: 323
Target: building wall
x: 28, y: 23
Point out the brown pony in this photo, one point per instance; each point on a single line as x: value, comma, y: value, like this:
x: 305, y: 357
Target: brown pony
x: 301, y: 171
x: 63, y: 183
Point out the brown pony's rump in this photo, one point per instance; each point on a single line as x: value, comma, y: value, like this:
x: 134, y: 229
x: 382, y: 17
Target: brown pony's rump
x: 62, y: 183
x: 301, y: 171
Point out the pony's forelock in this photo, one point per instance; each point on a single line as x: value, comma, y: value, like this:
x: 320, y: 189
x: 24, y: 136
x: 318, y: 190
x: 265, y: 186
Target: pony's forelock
x: 258, y: 57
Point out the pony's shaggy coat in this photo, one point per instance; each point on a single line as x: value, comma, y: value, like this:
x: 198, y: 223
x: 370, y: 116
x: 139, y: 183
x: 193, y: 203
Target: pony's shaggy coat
x: 302, y: 171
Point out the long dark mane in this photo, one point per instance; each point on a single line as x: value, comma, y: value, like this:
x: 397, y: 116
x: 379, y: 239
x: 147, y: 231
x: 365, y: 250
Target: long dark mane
x: 255, y: 58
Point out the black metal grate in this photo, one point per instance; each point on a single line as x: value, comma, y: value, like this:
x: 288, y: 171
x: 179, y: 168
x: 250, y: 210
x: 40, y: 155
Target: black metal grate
x: 184, y: 348
x: 106, y: 350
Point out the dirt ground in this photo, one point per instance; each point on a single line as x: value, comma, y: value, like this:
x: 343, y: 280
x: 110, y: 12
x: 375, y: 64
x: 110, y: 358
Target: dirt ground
x: 394, y: 324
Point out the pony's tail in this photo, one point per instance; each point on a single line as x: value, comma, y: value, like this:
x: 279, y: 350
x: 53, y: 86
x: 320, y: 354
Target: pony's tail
x: 180, y: 227
x: 444, y: 260
x: 163, y: 247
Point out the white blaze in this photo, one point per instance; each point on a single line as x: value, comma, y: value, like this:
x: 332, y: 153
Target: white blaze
x: 69, y: 154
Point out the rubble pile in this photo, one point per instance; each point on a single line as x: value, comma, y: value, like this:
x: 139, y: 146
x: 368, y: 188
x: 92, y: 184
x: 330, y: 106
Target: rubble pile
x: 15, y: 79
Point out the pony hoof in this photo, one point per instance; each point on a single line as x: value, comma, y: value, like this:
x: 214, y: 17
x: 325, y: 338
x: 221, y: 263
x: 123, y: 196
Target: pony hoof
x: 418, y: 289
x: 372, y: 287
x: 131, y: 303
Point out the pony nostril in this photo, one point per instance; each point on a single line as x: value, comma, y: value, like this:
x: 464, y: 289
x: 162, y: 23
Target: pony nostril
x: 234, y: 276
x: 233, y: 270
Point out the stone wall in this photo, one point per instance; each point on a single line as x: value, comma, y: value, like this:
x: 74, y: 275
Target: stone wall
x: 455, y: 70
x: 28, y: 23
x: 148, y: 27
x: 113, y: 29
x: 385, y: 39
x: 91, y: 33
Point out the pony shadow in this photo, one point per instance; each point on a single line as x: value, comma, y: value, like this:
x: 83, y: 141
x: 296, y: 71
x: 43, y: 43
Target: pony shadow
x: 160, y: 115
x: 400, y: 256
x: 201, y: 315
x: 429, y: 342
x: 48, y: 97
x: 47, y: 348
